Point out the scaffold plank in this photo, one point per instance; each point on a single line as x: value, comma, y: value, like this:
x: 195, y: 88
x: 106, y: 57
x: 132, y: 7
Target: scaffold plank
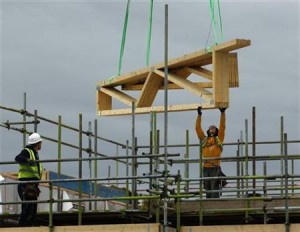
x: 242, y: 228
x: 91, y: 228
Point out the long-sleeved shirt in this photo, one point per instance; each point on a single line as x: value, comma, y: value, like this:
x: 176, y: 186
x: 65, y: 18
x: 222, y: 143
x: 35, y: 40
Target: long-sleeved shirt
x: 211, y: 149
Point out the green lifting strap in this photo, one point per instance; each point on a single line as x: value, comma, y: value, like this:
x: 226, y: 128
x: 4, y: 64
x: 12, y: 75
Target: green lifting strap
x: 149, y: 33
x: 218, y: 35
x: 123, y: 38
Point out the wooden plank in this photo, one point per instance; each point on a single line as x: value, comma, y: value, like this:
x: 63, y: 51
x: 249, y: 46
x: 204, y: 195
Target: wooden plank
x: 25, y: 229
x: 110, y: 228
x: 170, y: 86
x: 104, y: 101
x: 221, y: 77
x: 236, y: 228
x: 158, y: 109
x: 231, y: 45
x: 201, y: 72
x: 126, y: 78
x: 149, y: 90
x: 90, y: 228
x: 199, y: 56
x: 183, y: 72
x: 233, y: 70
x: 117, y: 94
x: 156, y: 228
x: 294, y: 227
x: 186, y: 84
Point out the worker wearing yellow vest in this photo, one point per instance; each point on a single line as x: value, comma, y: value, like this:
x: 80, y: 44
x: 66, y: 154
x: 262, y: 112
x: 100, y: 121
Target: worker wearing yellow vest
x: 212, y: 147
x: 30, y: 169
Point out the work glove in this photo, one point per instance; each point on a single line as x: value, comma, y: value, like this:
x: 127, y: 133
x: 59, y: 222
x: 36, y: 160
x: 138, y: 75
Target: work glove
x: 222, y: 109
x: 199, y: 110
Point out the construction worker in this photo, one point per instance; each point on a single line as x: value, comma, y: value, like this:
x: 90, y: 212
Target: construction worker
x: 30, y: 169
x: 211, y: 148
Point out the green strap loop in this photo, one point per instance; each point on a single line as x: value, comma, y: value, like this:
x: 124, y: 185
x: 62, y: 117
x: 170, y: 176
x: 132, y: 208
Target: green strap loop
x: 149, y: 33
x: 218, y: 36
x: 123, y: 38
x: 220, y: 21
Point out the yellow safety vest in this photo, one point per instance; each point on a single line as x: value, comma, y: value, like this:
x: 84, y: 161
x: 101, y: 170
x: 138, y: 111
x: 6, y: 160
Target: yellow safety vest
x: 30, y: 171
x: 218, y: 143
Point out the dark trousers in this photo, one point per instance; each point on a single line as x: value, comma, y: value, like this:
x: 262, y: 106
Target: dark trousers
x: 212, y: 184
x: 29, y: 210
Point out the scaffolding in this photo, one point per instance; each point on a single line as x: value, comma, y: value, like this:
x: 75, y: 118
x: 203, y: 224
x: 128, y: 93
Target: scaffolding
x: 160, y: 182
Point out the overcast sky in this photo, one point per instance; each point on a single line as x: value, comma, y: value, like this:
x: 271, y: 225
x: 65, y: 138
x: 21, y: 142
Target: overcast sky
x: 57, y: 51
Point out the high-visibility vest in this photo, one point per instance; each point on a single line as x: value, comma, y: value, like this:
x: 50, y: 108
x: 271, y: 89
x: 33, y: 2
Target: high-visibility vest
x: 30, y: 171
x: 218, y: 143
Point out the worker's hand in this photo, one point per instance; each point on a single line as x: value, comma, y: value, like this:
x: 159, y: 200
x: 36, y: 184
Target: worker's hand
x: 30, y: 162
x: 222, y: 109
x: 199, y: 110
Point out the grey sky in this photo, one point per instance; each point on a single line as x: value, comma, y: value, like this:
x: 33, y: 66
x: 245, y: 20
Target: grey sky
x: 57, y: 51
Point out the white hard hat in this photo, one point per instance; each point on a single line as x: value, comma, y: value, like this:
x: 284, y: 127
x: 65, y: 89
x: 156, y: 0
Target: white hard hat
x: 34, y: 138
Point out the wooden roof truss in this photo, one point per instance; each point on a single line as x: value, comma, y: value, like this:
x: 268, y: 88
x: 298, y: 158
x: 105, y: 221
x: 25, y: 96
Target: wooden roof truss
x: 214, y: 91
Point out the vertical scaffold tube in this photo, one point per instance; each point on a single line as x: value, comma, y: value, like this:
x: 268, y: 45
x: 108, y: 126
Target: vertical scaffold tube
x: 265, y: 192
x: 24, y: 119
x: 95, y: 161
x: 241, y: 151
x: 134, y: 164
x: 200, y: 183
x: 50, y: 206
x: 127, y: 173
x: 178, y: 202
x: 35, y: 121
x: 80, y: 172
x: 253, y: 149
x: 281, y: 151
x: 59, y: 205
x: 187, y: 156
x: 238, y: 170
x: 165, y: 226
x: 246, y: 170
x: 286, y: 183
x: 90, y: 163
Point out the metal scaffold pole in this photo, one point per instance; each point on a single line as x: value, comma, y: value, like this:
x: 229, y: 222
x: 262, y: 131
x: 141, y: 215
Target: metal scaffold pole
x: 134, y: 160
x: 281, y: 151
x: 24, y: 119
x: 165, y: 226
x: 80, y: 172
x: 286, y: 183
x: 253, y: 147
x: 95, y: 161
x: 59, y: 132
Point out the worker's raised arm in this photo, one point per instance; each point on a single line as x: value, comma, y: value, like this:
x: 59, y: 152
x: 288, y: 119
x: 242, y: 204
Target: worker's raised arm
x: 198, y: 127
x: 222, y: 125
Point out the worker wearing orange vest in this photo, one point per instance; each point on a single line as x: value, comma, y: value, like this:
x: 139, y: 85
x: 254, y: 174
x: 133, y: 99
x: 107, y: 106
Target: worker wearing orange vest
x: 30, y: 169
x: 212, y: 147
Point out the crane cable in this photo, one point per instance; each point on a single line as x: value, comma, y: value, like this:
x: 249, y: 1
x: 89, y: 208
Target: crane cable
x: 217, y: 28
x: 123, y: 41
x: 123, y: 38
x: 149, y: 33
